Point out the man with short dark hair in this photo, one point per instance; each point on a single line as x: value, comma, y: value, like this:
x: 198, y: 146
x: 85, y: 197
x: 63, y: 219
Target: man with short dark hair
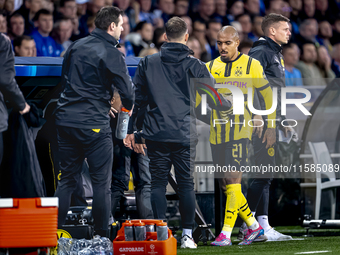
x: 92, y: 68
x: 267, y: 50
x: 163, y: 87
x: 46, y: 46
x: 16, y: 25
x: 28, y: 11
x: 24, y: 46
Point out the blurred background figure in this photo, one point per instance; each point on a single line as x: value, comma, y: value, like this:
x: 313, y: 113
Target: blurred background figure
x: 142, y: 37
x: 199, y: 31
x: 46, y: 45
x: 181, y: 8
x: 213, y: 27
x: 194, y: 45
x: 146, y: 52
x: 252, y: 7
x: 336, y: 59
x: 245, y: 47
x: 291, y: 58
x: 28, y: 11
x: 245, y: 21
x: 24, y: 46
x: 235, y: 8
x: 3, y: 22
x: 16, y: 26
x: 62, y: 32
x: 324, y: 63
x: 158, y: 37
x: 188, y: 21
x: 167, y: 7
x: 256, y: 31
x: 221, y: 12
x: 9, y: 6
x: 325, y: 34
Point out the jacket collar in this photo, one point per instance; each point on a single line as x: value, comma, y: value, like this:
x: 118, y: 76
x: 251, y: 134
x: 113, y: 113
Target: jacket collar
x: 99, y: 33
x: 174, y: 52
x: 273, y: 45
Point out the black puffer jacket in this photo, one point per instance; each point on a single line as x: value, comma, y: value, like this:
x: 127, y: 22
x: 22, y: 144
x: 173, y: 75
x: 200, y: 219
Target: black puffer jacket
x: 164, y: 87
x: 9, y: 89
x: 269, y: 53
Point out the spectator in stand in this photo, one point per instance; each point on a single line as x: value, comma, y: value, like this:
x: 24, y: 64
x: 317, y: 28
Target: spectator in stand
x: 291, y: 58
x: 206, y: 9
x: 235, y: 9
x: 181, y: 8
x: 221, y: 12
x: 213, y: 27
x: 194, y: 45
x: 48, y: 5
x: 90, y: 24
x: 2, y: 4
x: 45, y: 44
x: 81, y: 7
x: 123, y: 41
x: 309, y: 70
x: 131, y: 12
x: 145, y: 14
x: 199, y: 31
x: 62, y: 32
x: 322, y: 12
x: 147, y: 52
x: 3, y: 22
x: 256, y: 32
x: 188, y: 21
x: 16, y: 26
x: 274, y: 6
x: 167, y: 7
x: 142, y: 38
x: 296, y: 6
x: 237, y: 25
x: 28, y: 11
x: 308, y: 10
x: 9, y: 6
x: 336, y: 59
x: 324, y: 63
x: 109, y: 2
x: 158, y: 37
x: 252, y: 7
x: 336, y: 24
x: 308, y: 32
x: 68, y: 8
x: 246, y: 24
x: 24, y: 46
x: 245, y: 47
x: 325, y: 34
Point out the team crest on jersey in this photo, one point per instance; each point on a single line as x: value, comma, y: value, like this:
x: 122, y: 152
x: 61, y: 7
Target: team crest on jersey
x: 238, y: 71
x: 271, y: 152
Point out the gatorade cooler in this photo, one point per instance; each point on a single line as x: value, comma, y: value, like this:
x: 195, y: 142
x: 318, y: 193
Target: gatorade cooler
x: 150, y: 246
x: 28, y: 222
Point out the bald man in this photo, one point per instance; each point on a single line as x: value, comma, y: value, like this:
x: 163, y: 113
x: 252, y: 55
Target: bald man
x: 229, y: 141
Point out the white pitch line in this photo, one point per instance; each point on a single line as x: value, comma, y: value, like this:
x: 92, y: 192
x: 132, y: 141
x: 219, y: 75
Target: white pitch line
x: 311, y: 252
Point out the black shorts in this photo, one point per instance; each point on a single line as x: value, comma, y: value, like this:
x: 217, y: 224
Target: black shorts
x: 231, y: 155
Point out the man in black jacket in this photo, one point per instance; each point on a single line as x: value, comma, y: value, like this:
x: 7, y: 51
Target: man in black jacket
x: 92, y: 67
x: 9, y: 89
x: 268, y: 51
x: 163, y: 87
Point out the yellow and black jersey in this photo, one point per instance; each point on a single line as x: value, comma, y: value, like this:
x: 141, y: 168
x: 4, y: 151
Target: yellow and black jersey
x: 243, y: 72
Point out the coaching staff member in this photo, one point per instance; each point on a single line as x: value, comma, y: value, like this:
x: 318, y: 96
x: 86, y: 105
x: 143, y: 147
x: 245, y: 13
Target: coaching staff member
x: 268, y: 51
x: 9, y: 89
x: 163, y: 85
x: 92, y: 67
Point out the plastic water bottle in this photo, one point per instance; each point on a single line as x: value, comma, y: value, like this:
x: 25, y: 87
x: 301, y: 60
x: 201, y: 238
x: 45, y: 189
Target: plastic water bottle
x: 162, y: 231
x: 122, y: 123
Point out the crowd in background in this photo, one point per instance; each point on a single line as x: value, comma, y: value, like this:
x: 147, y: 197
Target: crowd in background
x: 47, y: 28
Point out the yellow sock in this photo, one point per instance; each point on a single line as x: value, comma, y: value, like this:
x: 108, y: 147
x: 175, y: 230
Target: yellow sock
x: 245, y: 212
x: 233, y: 194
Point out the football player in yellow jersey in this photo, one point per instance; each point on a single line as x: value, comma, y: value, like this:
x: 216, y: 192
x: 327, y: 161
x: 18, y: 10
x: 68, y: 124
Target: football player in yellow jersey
x: 230, y: 138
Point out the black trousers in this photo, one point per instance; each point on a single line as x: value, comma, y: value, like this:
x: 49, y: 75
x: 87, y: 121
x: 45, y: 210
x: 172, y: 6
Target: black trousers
x: 74, y: 145
x: 126, y: 160
x: 258, y: 191
x: 162, y: 156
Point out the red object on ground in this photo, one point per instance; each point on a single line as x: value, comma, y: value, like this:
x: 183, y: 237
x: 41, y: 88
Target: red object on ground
x: 148, y: 247
x: 28, y: 222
